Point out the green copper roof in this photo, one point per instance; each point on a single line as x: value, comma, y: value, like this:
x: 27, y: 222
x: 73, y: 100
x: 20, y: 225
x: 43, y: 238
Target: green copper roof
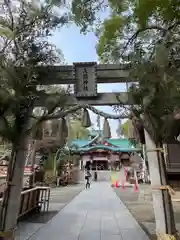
x: 121, y: 142
x: 117, y: 145
x: 79, y: 143
x: 108, y: 148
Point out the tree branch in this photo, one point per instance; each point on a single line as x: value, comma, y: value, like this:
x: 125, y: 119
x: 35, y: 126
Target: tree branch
x: 136, y: 34
x: 153, y: 27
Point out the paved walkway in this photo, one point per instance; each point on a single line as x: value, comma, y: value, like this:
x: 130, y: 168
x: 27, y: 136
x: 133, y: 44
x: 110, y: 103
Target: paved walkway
x: 95, y: 214
x: 60, y: 197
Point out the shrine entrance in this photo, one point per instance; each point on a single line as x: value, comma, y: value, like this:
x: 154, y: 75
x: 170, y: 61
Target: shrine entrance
x: 102, y: 152
x: 103, y: 155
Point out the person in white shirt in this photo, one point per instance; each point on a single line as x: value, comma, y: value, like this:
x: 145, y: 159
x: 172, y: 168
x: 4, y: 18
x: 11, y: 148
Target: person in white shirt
x: 87, y: 178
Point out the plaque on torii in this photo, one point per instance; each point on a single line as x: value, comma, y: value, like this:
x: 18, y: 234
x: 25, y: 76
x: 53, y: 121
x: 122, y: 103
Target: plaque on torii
x: 85, y: 78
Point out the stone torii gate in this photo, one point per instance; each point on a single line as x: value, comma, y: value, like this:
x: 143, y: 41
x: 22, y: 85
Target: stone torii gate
x: 85, y: 77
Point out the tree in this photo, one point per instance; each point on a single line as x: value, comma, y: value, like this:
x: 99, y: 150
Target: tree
x: 125, y: 23
x: 124, y: 128
x: 77, y: 131
x: 156, y: 96
x: 145, y: 35
x: 24, y: 31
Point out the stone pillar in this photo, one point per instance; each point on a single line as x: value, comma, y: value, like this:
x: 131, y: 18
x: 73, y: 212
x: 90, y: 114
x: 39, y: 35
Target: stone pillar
x: 80, y: 164
x: 146, y: 173
x: 155, y: 183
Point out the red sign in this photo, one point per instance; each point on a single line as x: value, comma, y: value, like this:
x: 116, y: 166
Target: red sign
x: 3, y: 170
x: 28, y: 169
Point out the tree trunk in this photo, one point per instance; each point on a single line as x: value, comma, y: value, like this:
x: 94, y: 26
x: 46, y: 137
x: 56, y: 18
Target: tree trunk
x: 54, y: 166
x: 162, y: 203
x: 146, y: 173
x: 33, y: 161
x: 12, y: 195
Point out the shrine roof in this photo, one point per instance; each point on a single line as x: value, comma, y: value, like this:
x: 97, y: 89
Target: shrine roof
x: 80, y: 143
x: 115, y: 145
x: 120, y: 142
x: 108, y: 148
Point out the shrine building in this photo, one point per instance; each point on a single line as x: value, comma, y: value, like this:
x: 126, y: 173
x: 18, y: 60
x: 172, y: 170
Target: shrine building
x: 103, y: 155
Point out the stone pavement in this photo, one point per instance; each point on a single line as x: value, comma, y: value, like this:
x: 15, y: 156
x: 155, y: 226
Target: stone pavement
x: 141, y: 206
x: 95, y: 214
x: 59, y: 198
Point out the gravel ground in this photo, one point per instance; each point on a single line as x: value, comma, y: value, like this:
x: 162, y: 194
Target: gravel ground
x: 143, y: 211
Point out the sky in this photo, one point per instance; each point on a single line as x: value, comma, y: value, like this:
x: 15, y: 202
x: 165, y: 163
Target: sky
x: 77, y: 47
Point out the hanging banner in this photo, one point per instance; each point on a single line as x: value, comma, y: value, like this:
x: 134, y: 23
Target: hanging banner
x: 85, y: 78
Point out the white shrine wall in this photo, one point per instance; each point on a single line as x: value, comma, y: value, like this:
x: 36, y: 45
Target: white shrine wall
x: 103, y: 175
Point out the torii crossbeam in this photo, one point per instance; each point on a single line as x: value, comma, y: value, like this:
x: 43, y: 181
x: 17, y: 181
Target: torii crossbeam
x: 85, y: 77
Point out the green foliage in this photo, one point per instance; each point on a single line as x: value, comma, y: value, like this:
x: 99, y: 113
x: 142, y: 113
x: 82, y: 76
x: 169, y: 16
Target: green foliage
x: 128, y: 21
x: 168, y: 10
x: 120, y: 6
x: 108, y: 37
x: 124, y: 128
x: 157, y: 101
x: 77, y: 131
x: 145, y: 34
x: 22, y: 53
x: 84, y: 12
x: 88, y: 13
x: 6, y: 32
x: 141, y: 12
